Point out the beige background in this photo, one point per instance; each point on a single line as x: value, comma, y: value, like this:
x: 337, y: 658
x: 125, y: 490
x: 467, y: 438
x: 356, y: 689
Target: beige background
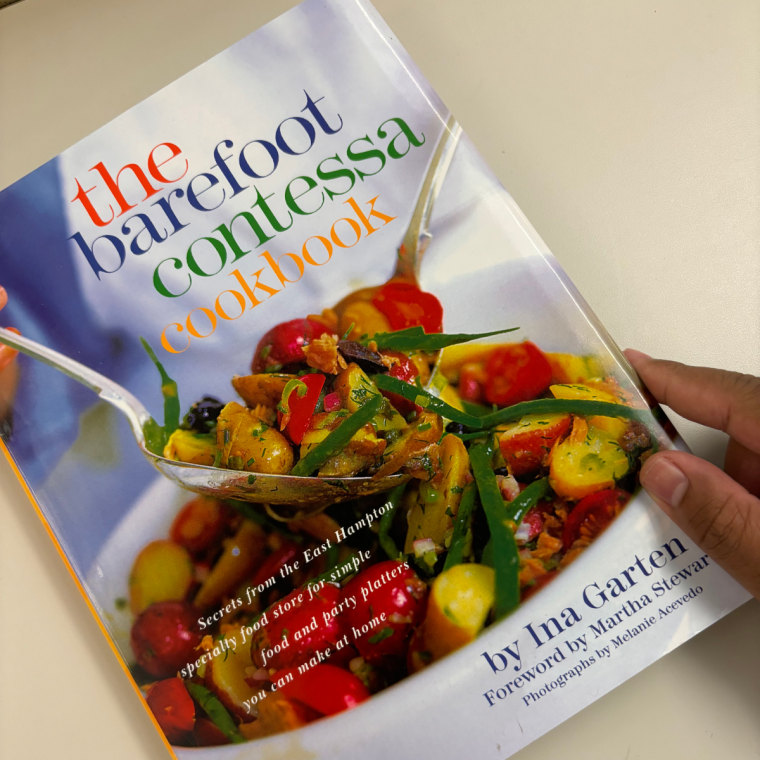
x: 628, y: 131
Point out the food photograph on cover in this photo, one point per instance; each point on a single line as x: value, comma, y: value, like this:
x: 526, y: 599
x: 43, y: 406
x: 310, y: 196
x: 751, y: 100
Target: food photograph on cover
x: 320, y: 424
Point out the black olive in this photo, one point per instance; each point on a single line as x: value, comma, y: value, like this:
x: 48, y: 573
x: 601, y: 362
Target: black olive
x: 202, y: 415
x: 370, y: 361
x: 456, y: 427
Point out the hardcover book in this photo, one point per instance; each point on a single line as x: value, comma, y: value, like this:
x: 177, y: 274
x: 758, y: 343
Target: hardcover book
x: 331, y: 443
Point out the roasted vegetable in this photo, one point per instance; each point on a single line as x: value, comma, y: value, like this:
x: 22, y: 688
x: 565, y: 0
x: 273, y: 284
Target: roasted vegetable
x: 246, y: 442
x: 461, y: 599
x: 435, y: 503
x: 587, y: 460
x: 162, y: 571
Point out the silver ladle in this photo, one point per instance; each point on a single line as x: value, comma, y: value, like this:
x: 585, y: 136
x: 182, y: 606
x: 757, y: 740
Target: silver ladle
x: 306, y: 495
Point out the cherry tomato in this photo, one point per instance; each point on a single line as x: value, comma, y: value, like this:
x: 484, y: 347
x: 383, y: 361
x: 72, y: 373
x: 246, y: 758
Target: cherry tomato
x: 404, y: 369
x: 526, y: 446
x: 208, y: 734
x: 173, y: 707
x: 164, y: 638
x: 592, y: 514
x: 283, y: 344
x: 326, y: 689
x: 519, y: 372
x: 392, y: 596
x: 472, y: 379
x: 300, y: 408
x: 307, y: 614
x: 270, y: 567
x: 199, y: 524
x: 405, y: 305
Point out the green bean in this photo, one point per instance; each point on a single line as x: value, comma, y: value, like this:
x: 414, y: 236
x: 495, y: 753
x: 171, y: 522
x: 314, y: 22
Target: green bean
x: 426, y: 400
x: 387, y: 544
x: 416, y: 339
x: 462, y: 528
x: 215, y: 710
x: 528, y: 498
x: 506, y: 562
x: 560, y: 405
x: 156, y: 435
x: 337, y: 439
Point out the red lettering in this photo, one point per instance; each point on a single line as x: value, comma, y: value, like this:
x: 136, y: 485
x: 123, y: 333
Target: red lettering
x: 153, y: 165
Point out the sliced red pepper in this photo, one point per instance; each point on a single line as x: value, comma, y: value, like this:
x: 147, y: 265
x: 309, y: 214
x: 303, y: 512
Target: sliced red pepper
x: 283, y: 344
x: 592, y: 514
x: 299, y: 404
x: 519, y: 372
x: 405, y: 305
x: 326, y: 689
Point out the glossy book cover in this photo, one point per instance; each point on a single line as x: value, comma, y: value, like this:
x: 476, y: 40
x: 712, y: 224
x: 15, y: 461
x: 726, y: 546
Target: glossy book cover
x: 409, y: 450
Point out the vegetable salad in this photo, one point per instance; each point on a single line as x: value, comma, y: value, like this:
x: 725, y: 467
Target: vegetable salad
x: 514, y: 459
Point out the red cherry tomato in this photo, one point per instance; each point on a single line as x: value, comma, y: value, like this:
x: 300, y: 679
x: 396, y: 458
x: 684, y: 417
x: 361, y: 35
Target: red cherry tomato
x: 283, y: 344
x: 472, y: 379
x: 326, y: 689
x: 199, y: 524
x: 404, y: 369
x: 593, y: 513
x: 173, y: 707
x: 270, y: 567
x: 164, y: 638
x: 307, y: 614
x: 516, y: 373
x: 208, y: 734
x: 405, y: 305
x: 300, y: 408
x: 391, y: 595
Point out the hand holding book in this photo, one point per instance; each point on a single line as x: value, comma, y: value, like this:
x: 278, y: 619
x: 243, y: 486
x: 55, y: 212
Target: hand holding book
x: 719, y: 510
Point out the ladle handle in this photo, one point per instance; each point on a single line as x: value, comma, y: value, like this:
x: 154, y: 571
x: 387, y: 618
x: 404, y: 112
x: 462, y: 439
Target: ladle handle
x: 106, y: 388
x: 417, y: 235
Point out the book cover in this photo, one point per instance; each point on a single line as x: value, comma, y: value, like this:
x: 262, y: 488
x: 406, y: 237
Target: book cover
x: 275, y: 200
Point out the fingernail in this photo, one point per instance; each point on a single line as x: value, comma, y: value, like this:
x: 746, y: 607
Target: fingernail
x: 633, y: 354
x: 664, y: 481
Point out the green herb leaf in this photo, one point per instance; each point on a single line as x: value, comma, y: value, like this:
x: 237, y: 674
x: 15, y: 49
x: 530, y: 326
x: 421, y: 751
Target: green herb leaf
x: 416, y: 339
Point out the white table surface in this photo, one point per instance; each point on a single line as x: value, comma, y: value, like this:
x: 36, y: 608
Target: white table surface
x: 629, y: 133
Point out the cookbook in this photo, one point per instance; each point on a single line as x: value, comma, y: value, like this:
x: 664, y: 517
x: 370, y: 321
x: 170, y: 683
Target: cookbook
x: 387, y: 495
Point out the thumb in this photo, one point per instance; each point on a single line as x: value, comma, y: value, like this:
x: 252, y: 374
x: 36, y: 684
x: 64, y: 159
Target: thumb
x: 711, y: 508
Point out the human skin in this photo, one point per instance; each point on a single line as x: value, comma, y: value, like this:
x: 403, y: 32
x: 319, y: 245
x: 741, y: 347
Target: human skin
x: 719, y: 509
